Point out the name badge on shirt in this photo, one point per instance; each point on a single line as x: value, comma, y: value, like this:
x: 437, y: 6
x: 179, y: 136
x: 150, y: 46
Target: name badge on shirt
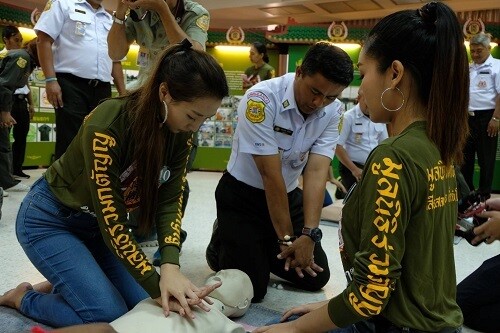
x: 357, y: 137
x: 80, y: 28
x: 143, y: 57
x: 282, y: 130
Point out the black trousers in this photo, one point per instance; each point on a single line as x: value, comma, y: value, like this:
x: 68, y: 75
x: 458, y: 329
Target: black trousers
x: 346, y: 176
x: 6, y: 179
x: 478, y: 295
x: 486, y: 148
x: 19, y: 131
x: 80, y: 96
x: 248, y: 241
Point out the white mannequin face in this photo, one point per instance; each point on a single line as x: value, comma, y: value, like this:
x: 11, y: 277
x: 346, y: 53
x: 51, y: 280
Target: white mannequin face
x: 234, y: 296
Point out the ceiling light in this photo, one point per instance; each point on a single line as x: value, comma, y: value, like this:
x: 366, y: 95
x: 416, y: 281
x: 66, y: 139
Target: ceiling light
x: 233, y: 48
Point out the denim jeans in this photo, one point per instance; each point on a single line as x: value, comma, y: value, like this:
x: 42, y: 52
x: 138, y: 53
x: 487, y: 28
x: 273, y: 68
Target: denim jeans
x: 89, y: 283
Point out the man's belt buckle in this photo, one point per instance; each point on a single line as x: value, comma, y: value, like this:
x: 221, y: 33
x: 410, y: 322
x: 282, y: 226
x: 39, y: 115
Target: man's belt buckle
x: 94, y: 83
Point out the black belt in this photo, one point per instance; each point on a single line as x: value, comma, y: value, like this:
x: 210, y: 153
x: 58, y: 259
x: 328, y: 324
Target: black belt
x: 478, y: 111
x: 481, y: 113
x: 91, y: 82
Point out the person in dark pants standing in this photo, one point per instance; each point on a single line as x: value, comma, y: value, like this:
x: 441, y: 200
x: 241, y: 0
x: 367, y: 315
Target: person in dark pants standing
x: 15, y: 68
x: 22, y: 98
x: 484, y: 115
x: 73, y: 49
x: 22, y: 111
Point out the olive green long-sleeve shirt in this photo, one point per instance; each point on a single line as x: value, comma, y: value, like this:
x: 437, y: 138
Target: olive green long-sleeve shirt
x: 396, y: 240
x: 97, y: 175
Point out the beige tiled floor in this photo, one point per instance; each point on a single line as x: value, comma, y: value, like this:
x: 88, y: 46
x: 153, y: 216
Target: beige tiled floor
x: 198, y: 223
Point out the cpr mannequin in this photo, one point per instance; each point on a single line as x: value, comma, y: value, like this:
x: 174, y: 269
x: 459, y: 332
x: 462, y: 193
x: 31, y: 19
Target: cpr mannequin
x: 232, y: 298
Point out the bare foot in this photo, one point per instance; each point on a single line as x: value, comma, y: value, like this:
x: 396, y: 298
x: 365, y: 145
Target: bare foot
x: 13, y: 297
x: 43, y: 287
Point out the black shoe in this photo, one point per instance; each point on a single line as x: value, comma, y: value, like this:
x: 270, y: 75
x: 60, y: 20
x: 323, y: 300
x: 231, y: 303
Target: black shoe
x: 21, y: 174
x: 212, y: 253
x: 184, y: 235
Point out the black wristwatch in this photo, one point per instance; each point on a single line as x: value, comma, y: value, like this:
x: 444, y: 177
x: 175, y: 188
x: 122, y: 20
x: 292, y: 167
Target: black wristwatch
x: 315, y: 233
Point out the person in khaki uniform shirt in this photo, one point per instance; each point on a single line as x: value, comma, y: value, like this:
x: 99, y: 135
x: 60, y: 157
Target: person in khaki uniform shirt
x: 153, y: 26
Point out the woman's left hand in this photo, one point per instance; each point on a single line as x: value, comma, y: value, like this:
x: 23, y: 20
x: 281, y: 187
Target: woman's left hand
x: 179, y: 294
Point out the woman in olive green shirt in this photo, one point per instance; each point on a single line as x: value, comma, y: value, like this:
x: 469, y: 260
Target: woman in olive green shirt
x: 130, y: 153
x: 260, y: 70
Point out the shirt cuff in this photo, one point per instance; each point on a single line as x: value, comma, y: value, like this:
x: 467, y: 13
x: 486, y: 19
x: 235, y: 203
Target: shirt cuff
x: 170, y: 255
x: 341, y: 313
x: 152, y: 285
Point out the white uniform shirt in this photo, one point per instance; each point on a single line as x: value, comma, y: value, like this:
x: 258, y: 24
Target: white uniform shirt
x: 80, y: 35
x: 484, y: 84
x: 359, y: 135
x: 269, y: 122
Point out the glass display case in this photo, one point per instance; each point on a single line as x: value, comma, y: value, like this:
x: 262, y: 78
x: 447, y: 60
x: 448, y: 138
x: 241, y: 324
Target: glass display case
x: 215, y: 137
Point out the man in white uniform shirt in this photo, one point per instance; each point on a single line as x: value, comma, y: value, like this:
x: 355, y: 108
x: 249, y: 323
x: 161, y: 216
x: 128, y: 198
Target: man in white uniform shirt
x: 73, y: 51
x: 283, y: 123
x: 358, y: 136
x: 484, y: 115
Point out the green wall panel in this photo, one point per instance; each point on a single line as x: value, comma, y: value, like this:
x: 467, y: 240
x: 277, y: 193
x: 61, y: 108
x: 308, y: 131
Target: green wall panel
x: 211, y: 158
x: 39, y: 153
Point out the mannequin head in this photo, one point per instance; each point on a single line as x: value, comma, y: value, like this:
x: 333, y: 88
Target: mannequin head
x: 233, y: 297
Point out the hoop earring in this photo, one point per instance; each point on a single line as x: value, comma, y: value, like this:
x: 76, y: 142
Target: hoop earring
x: 382, y: 100
x: 166, y: 112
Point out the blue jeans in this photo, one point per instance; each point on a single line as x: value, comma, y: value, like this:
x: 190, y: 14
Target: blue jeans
x: 89, y: 283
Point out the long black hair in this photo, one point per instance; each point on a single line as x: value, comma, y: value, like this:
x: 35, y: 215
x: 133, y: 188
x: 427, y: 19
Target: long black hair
x: 430, y: 44
x: 189, y: 74
x: 262, y: 49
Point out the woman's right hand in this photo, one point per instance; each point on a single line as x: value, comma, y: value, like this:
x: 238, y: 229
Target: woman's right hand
x: 302, y: 309
x: 179, y: 294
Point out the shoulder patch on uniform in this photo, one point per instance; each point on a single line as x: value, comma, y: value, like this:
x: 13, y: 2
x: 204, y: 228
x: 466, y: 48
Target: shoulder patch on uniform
x: 255, y: 111
x: 258, y: 94
x: 203, y: 22
x: 21, y: 62
x: 48, y: 5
